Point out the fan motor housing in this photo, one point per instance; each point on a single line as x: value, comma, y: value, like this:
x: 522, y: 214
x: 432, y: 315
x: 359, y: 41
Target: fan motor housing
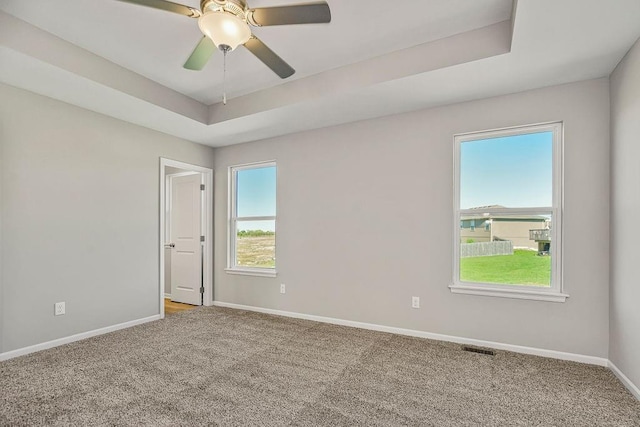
x: 237, y: 7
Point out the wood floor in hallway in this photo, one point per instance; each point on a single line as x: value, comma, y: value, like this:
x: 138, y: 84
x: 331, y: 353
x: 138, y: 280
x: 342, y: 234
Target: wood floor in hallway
x: 171, y: 307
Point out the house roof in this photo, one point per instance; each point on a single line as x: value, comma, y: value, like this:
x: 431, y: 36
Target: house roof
x: 481, y: 215
x: 536, y: 218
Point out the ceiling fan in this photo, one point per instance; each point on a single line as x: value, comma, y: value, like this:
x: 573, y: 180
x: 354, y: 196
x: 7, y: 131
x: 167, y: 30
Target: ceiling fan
x: 225, y: 25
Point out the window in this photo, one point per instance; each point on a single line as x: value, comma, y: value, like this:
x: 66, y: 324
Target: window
x: 510, y: 181
x: 252, y: 219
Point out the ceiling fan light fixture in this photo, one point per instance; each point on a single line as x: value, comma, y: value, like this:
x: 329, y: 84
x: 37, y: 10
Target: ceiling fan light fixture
x: 224, y: 29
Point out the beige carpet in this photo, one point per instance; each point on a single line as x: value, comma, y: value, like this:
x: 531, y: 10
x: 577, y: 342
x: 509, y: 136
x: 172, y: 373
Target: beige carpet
x: 214, y: 366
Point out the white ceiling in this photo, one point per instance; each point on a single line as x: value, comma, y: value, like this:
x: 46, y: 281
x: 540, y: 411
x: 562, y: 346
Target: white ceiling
x: 371, y: 60
x: 156, y: 43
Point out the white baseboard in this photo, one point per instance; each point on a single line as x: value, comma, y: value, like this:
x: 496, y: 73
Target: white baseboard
x: 77, y: 337
x: 592, y: 360
x: 625, y: 380
x: 166, y: 295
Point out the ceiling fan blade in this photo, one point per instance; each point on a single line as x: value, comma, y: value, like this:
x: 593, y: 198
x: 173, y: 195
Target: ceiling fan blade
x: 200, y: 55
x: 168, y: 6
x: 307, y: 13
x: 269, y: 57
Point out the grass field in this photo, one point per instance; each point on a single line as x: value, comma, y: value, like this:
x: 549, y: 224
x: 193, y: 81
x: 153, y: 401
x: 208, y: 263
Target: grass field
x: 257, y: 251
x: 522, y: 268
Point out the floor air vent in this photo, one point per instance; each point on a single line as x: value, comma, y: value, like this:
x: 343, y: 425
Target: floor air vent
x: 479, y: 350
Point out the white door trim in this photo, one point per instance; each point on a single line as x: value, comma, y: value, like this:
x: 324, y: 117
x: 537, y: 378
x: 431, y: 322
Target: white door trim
x: 207, y: 214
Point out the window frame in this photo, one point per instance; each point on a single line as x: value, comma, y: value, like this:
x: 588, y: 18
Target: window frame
x: 233, y: 219
x: 553, y: 293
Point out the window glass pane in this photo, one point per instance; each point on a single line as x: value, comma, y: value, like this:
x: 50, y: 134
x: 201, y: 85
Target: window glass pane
x: 512, y: 171
x: 256, y: 244
x: 509, y: 249
x: 256, y: 191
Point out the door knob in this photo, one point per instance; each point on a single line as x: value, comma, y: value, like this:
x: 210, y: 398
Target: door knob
x: 169, y: 245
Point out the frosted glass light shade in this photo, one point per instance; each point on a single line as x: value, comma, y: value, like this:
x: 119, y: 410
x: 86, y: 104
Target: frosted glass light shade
x: 224, y: 29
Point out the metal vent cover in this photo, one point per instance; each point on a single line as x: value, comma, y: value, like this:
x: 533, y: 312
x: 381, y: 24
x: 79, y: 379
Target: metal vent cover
x: 478, y: 350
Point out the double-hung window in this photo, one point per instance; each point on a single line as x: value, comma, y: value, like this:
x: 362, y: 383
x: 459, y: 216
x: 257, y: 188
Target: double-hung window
x: 252, y: 219
x: 509, y: 182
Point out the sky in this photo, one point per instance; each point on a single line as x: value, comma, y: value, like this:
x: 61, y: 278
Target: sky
x: 512, y: 171
x: 256, y: 196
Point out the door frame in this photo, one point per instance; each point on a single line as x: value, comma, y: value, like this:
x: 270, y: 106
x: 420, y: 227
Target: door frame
x: 207, y: 214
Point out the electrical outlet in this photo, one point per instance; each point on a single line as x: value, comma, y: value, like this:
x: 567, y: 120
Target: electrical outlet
x: 415, y: 302
x: 58, y: 309
x: 283, y: 288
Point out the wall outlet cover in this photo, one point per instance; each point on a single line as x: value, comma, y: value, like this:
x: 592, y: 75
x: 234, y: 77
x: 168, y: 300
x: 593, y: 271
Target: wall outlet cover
x: 59, y: 309
x: 283, y: 288
x: 415, y: 302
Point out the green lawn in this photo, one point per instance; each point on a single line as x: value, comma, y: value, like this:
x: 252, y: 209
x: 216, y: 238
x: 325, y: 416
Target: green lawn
x: 522, y: 268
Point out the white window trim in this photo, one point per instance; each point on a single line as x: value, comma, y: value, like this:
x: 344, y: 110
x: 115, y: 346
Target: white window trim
x: 554, y: 293
x: 232, y: 267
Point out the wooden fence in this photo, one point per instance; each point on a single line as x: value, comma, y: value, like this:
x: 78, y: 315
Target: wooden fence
x: 504, y: 247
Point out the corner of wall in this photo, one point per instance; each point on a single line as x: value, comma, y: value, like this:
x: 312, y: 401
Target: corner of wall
x: 1, y: 241
x: 624, y: 318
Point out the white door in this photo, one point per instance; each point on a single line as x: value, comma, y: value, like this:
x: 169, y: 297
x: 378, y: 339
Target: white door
x: 185, y: 230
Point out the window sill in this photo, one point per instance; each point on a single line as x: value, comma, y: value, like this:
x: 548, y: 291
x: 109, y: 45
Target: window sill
x: 509, y: 293
x: 252, y: 272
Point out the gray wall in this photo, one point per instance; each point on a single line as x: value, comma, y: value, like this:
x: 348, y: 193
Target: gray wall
x: 365, y: 222
x: 1, y: 237
x: 79, y: 208
x: 625, y: 205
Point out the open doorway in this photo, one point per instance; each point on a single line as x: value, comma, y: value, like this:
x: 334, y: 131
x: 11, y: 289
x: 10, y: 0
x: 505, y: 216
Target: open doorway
x: 186, y: 231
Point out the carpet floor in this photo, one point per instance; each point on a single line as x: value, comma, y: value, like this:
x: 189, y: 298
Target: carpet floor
x: 216, y: 366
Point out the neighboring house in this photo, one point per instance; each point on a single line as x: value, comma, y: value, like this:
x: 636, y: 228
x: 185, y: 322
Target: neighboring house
x: 489, y: 228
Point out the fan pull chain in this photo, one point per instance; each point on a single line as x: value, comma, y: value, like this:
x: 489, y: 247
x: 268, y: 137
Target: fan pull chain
x: 224, y: 77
